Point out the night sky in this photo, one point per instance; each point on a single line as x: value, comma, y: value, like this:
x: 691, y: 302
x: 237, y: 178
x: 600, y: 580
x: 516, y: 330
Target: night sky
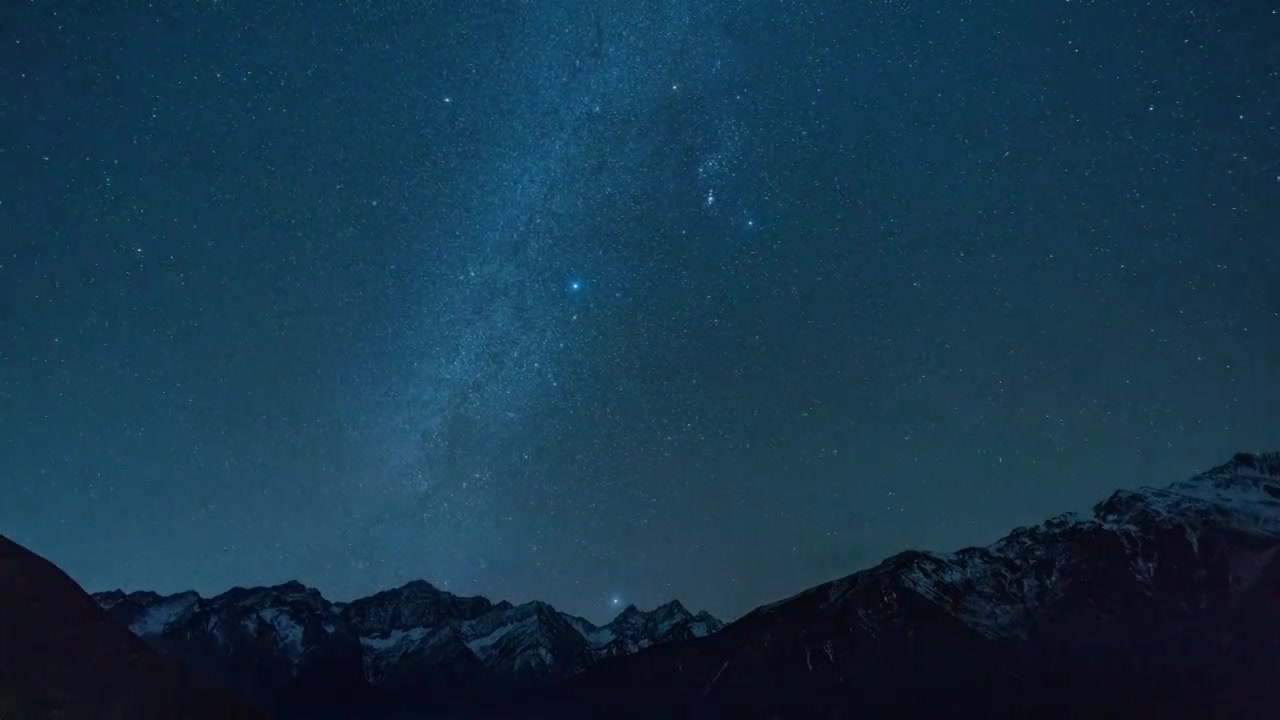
x: 606, y: 302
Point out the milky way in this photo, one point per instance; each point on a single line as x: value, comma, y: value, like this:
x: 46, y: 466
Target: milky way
x: 525, y: 252
x: 612, y: 302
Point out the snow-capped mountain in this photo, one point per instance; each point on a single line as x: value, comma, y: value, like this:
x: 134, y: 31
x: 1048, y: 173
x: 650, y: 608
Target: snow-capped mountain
x: 1161, y: 602
x: 633, y: 630
x: 276, y: 646
x: 289, y: 649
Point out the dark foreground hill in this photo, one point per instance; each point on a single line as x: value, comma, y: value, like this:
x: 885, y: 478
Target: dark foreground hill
x: 63, y: 658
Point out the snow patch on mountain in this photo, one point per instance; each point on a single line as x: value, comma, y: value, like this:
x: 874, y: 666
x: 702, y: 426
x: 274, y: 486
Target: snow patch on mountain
x: 483, y: 644
x: 156, y: 618
x: 288, y: 633
x: 595, y: 635
x: 396, y: 639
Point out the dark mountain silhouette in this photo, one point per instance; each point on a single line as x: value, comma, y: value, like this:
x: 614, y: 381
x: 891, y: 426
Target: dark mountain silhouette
x: 63, y: 657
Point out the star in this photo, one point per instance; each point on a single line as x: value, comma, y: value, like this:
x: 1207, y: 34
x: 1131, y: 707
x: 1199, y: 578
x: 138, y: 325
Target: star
x: 457, y: 396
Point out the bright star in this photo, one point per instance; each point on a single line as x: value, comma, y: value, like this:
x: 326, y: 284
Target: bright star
x: 575, y: 285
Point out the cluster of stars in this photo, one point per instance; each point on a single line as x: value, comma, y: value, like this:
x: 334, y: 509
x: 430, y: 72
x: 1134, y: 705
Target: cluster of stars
x: 610, y: 300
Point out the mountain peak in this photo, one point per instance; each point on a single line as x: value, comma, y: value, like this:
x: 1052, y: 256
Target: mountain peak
x: 535, y: 608
x: 419, y: 586
x: 1266, y: 465
x: 672, y: 607
x: 293, y: 587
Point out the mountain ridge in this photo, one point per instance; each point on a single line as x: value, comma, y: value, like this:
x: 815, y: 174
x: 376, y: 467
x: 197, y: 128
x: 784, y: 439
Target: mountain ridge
x: 1161, y: 597
x: 412, y: 645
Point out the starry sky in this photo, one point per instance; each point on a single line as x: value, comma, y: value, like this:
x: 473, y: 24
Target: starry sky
x: 604, y: 302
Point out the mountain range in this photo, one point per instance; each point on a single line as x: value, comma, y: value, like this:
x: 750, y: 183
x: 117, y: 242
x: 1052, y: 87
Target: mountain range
x: 1160, y: 601
x: 289, y: 649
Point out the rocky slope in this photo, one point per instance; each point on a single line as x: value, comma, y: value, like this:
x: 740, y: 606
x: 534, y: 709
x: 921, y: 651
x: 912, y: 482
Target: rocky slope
x: 62, y: 657
x: 289, y: 649
x: 1161, y: 602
